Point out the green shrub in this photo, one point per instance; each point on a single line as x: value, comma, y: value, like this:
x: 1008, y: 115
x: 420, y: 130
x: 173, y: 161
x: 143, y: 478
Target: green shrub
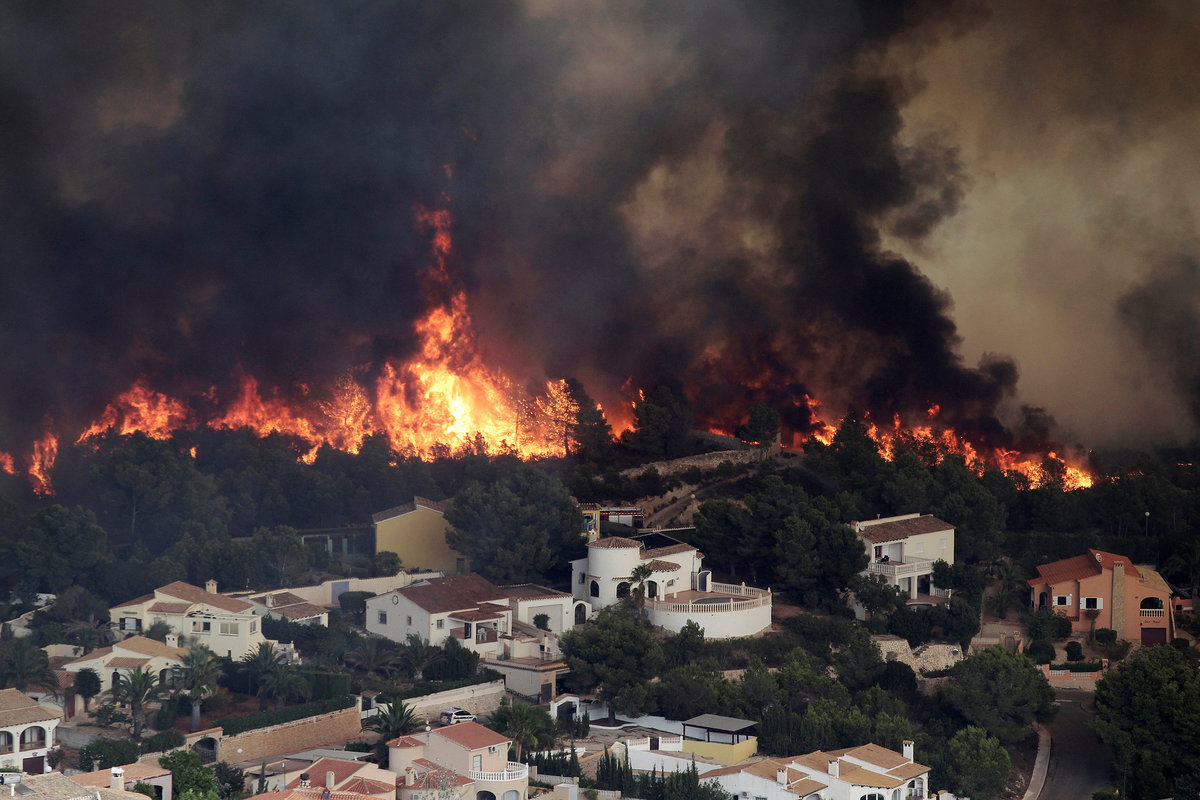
x: 1046, y: 624
x: 1181, y: 644
x: 265, y: 719
x: 1041, y: 651
x: 1106, y: 636
x: 430, y: 687
x: 162, y: 742
x: 1074, y: 651
x: 103, y: 753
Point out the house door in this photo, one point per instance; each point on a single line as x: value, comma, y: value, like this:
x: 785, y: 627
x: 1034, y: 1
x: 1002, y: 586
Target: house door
x: 477, y: 763
x: 34, y: 766
x: 1152, y: 636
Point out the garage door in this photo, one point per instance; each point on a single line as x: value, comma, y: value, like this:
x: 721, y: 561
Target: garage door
x: 1154, y: 636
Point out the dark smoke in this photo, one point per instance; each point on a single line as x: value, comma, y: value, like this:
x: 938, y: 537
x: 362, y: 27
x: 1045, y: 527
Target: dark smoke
x: 664, y: 191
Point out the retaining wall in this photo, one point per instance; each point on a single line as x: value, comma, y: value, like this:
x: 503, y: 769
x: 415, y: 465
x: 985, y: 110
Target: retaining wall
x: 290, y: 737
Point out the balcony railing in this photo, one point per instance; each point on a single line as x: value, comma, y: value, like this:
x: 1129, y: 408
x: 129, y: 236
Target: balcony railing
x: 909, y: 565
x: 1151, y: 612
x: 481, y: 635
x: 742, y: 599
x: 513, y: 772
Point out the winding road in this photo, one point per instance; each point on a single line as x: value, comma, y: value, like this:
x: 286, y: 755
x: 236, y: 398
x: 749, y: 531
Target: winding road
x: 1079, y: 762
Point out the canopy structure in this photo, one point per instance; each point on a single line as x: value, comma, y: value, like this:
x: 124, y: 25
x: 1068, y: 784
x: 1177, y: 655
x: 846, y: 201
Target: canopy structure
x: 715, y: 728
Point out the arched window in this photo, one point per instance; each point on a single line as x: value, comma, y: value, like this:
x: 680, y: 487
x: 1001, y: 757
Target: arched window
x: 33, y: 738
x: 580, y: 613
x: 485, y: 795
x: 594, y: 589
x: 164, y: 677
x: 512, y: 794
x: 652, y: 589
x: 1152, y: 602
x: 116, y: 676
x: 871, y: 796
x: 6, y: 742
x: 623, y: 589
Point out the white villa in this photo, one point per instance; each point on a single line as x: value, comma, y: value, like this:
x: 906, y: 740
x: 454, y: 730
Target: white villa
x: 26, y: 732
x: 465, y: 760
x: 229, y: 627
x: 679, y: 589
x: 903, y: 550
x: 866, y: 772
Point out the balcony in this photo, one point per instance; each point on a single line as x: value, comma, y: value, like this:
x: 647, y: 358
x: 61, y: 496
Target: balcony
x: 1151, y: 612
x: 723, y: 597
x: 513, y: 772
x: 901, y: 568
x: 480, y: 636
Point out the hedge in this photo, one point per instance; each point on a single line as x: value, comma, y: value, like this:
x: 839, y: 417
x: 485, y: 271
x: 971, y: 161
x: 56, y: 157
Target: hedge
x: 278, y: 716
x: 433, y: 687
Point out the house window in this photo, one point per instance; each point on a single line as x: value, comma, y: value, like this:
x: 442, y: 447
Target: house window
x: 582, y: 578
x: 920, y: 547
x: 201, y: 627
x: 441, y: 623
x: 33, y: 738
x: 254, y: 626
x: 594, y: 591
x: 1062, y: 599
x: 408, y: 621
x: 228, y: 628
x: 383, y: 618
x: 1096, y: 603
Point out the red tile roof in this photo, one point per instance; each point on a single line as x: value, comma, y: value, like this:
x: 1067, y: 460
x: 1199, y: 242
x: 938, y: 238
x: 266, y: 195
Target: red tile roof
x: 662, y: 566
x: 316, y: 772
x: 471, y: 735
x: 453, y: 593
x: 1080, y: 567
x: 194, y: 594
x: 669, y: 550
x: 611, y: 542
x: 408, y: 508
x: 530, y: 591
x: 894, y: 531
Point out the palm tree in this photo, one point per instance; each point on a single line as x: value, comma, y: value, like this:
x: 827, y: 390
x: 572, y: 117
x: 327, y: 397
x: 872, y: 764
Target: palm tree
x: 136, y: 689
x: 1011, y: 587
x: 196, y: 677
x: 1184, y: 564
x: 23, y: 664
x: 373, y: 656
x: 284, y: 684
x: 394, y: 719
x: 90, y: 633
x: 419, y: 655
x: 529, y: 726
x: 638, y: 577
x: 258, y: 664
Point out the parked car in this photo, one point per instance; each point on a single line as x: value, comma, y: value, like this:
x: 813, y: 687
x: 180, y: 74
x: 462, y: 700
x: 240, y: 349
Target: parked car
x: 452, y: 715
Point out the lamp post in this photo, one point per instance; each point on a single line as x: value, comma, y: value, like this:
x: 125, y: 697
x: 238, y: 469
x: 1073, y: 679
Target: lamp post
x: 1147, y: 524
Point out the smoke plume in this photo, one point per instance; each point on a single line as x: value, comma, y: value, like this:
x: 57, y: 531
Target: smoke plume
x: 754, y: 201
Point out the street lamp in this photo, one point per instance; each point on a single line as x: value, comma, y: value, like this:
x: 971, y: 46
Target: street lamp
x: 1147, y: 523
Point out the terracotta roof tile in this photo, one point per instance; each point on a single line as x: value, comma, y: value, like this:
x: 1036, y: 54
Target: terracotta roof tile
x: 126, y: 662
x: 874, y: 754
x: 908, y: 771
x: 662, y: 566
x: 317, y: 772
x: 1080, y: 567
x: 614, y: 542
x: 408, y: 508
x: 149, y: 647
x: 471, y: 735
x: 300, y: 611
x: 196, y: 595
x: 16, y: 708
x: 452, y: 593
x: 170, y: 608
x: 894, y: 531
x: 669, y: 550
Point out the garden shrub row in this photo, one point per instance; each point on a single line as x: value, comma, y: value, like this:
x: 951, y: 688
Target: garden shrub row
x: 278, y: 716
x: 433, y: 687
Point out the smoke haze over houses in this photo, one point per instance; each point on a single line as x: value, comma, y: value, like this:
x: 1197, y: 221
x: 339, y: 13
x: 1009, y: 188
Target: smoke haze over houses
x: 983, y: 207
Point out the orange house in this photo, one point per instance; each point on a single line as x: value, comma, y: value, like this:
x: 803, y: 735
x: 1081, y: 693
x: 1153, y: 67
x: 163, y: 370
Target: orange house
x: 1134, y: 601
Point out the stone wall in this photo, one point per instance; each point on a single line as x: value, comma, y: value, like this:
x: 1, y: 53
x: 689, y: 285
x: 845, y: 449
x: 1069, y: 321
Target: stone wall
x: 290, y: 737
x: 480, y: 699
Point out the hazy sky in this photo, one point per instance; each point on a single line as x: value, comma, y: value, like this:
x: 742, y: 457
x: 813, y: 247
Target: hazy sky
x: 983, y: 206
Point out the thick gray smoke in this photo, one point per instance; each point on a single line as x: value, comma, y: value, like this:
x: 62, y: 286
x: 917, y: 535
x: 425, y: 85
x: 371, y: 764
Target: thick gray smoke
x: 704, y: 193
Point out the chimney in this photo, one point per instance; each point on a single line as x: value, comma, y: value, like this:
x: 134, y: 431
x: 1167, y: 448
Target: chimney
x: 908, y: 750
x: 210, y: 586
x: 833, y: 768
x: 117, y: 781
x: 172, y: 640
x: 329, y: 781
x: 781, y: 776
x: 410, y: 777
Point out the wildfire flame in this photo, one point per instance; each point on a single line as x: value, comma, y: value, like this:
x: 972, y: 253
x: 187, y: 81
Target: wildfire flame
x: 445, y: 400
x: 939, y: 442
x: 6, y: 463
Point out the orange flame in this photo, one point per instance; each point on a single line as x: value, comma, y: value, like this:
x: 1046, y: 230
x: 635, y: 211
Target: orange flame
x: 41, y: 461
x: 140, y: 409
x: 6, y: 463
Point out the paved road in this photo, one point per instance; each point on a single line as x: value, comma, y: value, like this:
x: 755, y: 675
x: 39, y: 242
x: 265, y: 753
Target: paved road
x: 1079, y: 763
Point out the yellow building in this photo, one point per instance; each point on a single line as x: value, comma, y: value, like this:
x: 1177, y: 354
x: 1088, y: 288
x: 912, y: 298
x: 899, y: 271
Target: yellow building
x: 416, y: 532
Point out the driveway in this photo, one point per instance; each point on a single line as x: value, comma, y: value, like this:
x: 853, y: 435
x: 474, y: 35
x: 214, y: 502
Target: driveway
x: 1079, y: 763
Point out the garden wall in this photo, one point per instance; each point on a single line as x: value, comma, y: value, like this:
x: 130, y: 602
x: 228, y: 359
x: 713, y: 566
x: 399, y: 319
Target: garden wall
x: 290, y: 737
